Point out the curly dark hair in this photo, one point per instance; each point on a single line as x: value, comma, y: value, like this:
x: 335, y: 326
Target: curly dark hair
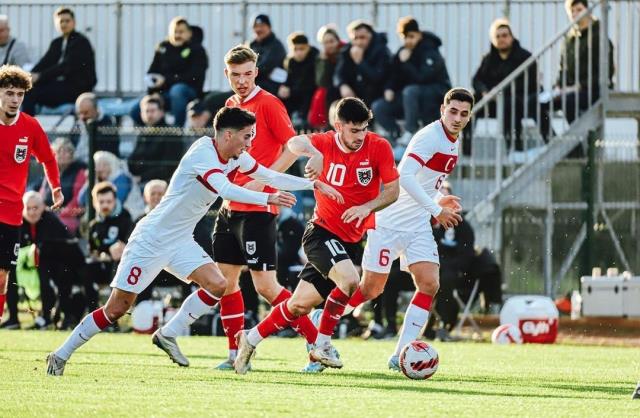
x: 14, y: 76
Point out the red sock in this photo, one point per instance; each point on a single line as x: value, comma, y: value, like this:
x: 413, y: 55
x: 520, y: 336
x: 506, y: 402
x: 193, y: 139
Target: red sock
x: 100, y: 318
x: 232, y: 315
x: 422, y: 300
x: 206, y: 297
x: 333, y: 310
x: 279, y: 318
x: 303, y: 324
x: 3, y: 298
x: 357, y: 298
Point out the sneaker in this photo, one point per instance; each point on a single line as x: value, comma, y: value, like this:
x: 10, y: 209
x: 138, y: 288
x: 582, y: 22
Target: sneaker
x: 10, y: 324
x: 55, y: 365
x: 327, y: 355
x: 404, y: 138
x: 314, y: 367
x: 245, y: 353
x: 636, y: 393
x: 394, y: 363
x: 225, y: 365
x: 170, y: 346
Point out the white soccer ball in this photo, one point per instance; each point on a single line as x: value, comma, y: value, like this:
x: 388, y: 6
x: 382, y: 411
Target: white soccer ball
x: 506, y: 334
x: 419, y: 360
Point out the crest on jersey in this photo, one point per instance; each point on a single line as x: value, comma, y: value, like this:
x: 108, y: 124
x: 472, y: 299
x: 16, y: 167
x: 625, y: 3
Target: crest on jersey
x: 20, y: 154
x: 112, y: 233
x: 365, y: 174
x: 250, y: 246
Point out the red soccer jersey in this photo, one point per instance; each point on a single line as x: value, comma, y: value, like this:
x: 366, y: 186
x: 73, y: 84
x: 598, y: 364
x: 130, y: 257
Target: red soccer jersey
x: 18, y: 142
x: 273, y: 130
x: 358, y: 175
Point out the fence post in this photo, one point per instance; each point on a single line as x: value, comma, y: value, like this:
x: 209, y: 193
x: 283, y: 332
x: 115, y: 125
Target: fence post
x: 604, y: 56
x: 245, y: 20
x: 92, y: 130
x: 588, y: 195
x: 506, y: 10
x: 118, y: 49
x: 374, y: 13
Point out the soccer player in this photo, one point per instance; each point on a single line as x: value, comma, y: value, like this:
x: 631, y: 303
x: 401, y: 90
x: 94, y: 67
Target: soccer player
x: 245, y: 234
x: 21, y: 136
x: 358, y: 163
x: 403, y: 229
x: 164, y: 238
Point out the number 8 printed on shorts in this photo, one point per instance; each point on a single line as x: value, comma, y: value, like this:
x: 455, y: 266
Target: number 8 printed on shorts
x: 134, y: 276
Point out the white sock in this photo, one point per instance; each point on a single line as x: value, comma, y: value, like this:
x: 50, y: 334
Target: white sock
x: 197, y: 304
x: 90, y: 325
x: 414, y: 321
x: 322, y: 339
x: 254, y: 337
x: 233, y: 354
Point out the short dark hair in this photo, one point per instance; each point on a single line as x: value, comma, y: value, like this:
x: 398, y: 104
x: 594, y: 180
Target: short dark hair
x: 407, y: 24
x: 240, y: 54
x: 14, y: 76
x: 232, y: 118
x: 572, y: 3
x: 359, y: 24
x: 102, y: 188
x: 64, y: 10
x: 353, y: 110
x: 298, y: 38
x: 153, y: 98
x: 460, y: 94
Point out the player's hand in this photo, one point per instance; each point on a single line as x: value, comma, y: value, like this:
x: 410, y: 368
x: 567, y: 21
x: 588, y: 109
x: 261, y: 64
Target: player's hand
x: 346, y: 91
x: 327, y: 190
x: 281, y: 198
x: 58, y: 198
x: 354, y: 213
x: 115, y: 250
x: 404, y: 54
x: 452, y: 202
x: 448, y: 218
x: 389, y: 95
x: 314, y: 166
x: 254, y: 185
x: 356, y: 53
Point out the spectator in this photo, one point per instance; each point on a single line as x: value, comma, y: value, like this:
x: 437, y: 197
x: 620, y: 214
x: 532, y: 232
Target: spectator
x: 156, y: 154
x: 109, y: 168
x: 12, y: 51
x: 504, y: 57
x: 271, y: 55
x: 325, y: 67
x: 417, y: 83
x: 201, y: 112
x: 153, y: 192
x: 58, y: 258
x: 108, y: 235
x: 363, y: 64
x: 107, y: 138
x: 297, y: 91
x: 73, y: 175
x: 177, y: 71
x: 66, y: 70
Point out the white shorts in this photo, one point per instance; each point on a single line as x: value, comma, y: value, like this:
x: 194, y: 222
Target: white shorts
x: 385, y: 245
x: 141, y: 262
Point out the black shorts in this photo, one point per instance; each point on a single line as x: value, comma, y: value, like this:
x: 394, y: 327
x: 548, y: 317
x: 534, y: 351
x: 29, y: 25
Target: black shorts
x: 9, y: 246
x: 324, y: 249
x: 245, y: 238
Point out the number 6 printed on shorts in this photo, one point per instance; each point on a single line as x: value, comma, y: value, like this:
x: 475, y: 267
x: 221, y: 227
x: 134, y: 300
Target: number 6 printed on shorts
x: 134, y: 275
x: 383, y: 260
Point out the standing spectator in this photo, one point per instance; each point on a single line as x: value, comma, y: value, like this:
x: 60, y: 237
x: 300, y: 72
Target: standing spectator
x: 297, y: 91
x: 417, y: 83
x: 109, y: 168
x: 271, y: 55
x: 326, y: 65
x: 12, y: 51
x: 156, y: 154
x: 177, y: 71
x: 505, y: 56
x: 363, y: 65
x: 73, y: 175
x: 66, y: 70
x: 107, y: 138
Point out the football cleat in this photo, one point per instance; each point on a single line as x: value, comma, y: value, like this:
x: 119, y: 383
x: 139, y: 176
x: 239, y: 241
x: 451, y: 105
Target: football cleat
x: 394, y: 363
x: 327, y: 355
x: 313, y: 367
x: 170, y: 346
x: 55, y: 365
x: 636, y: 393
x: 245, y: 353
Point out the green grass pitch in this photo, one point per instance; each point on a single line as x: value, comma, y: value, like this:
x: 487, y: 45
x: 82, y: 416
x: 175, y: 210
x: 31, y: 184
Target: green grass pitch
x: 125, y: 375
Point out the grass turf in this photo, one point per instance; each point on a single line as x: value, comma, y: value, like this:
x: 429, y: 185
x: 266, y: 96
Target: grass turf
x: 125, y: 375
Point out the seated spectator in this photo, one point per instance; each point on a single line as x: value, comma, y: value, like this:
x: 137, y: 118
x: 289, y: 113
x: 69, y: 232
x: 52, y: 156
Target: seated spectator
x: 363, y: 64
x: 73, y: 176
x: 108, y: 235
x: 66, y: 70
x: 504, y: 57
x: 12, y: 51
x: 156, y: 155
x: 109, y: 168
x: 417, y: 83
x: 271, y: 55
x: 297, y: 91
x: 325, y: 68
x: 152, y: 195
x: 177, y: 71
x: 201, y: 112
x: 107, y: 138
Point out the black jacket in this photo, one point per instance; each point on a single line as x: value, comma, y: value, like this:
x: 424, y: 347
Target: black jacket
x: 69, y: 182
x: 367, y: 79
x: 52, y: 239
x: 425, y: 66
x: 104, y: 232
x: 156, y: 155
x: 301, y: 79
x: 493, y: 69
x: 187, y: 64
x: 271, y: 55
x: 455, y: 247
x: 78, y: 67
x: 107, y: 137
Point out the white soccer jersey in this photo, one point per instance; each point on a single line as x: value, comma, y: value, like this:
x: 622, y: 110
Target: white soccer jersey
x: 430, y: 157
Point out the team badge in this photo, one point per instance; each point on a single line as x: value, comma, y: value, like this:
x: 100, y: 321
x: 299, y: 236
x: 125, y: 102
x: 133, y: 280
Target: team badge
x: 364, y: 175
x: 250, y: 246
x: 20, y: 154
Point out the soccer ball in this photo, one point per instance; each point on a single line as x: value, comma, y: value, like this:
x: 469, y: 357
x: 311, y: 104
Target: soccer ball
x: 506, y: 334
x: 419, y: 360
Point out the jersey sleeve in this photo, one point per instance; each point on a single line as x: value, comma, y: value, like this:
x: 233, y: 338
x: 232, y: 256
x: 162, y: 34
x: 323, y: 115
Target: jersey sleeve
x: 386, y: 163
x: 278, y: 121
x: 250, y: 167
x: 419, y: 149
x: 45, y: 156
x: 319, y: 141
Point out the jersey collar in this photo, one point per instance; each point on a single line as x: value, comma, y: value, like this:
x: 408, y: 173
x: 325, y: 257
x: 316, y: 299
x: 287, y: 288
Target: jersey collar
x: 251, y: 95
x: 342, y: 148
x: 15, y: 120
x: 450, y: 137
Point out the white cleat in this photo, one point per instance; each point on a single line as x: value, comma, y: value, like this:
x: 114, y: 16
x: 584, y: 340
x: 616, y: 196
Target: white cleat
x: 55, y: 365
x: 245, y: 353
x: 170, y: 346
x: 327, y: 355
x: 394, y: 363
x: 636, y: 393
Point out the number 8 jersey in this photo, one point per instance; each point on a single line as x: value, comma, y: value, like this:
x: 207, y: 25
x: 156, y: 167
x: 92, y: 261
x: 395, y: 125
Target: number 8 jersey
x: 358, y: 175
x: 437, y: 152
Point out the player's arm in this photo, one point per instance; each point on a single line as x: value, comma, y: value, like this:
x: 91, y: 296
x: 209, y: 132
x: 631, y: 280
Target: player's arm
x: 280, y: 125
x: 221, y: 185
x: 44, y: 154
x: 301, y: 146
x: 387, y: 196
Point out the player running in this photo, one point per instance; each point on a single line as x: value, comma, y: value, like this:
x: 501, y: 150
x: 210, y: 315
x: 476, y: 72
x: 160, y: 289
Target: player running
x: 21, y: 136
x: 164, y: 238
x: 357, y: 163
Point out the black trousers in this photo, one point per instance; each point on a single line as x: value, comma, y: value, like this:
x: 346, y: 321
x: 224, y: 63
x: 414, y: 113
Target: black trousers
x: 52, y: 94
